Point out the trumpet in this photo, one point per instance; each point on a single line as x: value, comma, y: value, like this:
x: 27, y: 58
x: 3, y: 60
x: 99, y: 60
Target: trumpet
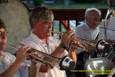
x: 83, y: 43
x: 38, y: 55
x: 65, y: 62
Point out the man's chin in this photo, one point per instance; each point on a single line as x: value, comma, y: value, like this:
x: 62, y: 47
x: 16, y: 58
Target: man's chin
x: 1, y: 49
x: 48, y: 35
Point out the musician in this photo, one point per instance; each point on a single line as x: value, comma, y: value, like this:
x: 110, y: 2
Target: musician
x: 89, y: 30
x: 41, y: 19
x: 9, y: 64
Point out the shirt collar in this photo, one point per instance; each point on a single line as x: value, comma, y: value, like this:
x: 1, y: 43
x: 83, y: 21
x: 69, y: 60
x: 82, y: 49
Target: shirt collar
x: 2, y: 55
x: 37, y: 38
x: 86, y: 27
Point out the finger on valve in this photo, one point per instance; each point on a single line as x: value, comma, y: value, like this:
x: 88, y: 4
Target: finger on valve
x: 76, y: 44
x: 66, y: 38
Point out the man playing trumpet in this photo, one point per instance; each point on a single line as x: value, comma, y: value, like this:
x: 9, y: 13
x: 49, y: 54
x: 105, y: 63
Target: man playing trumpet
x: 41, y: 20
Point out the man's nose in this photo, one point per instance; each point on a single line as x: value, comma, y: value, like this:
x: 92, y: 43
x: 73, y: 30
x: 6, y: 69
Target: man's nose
x: 3, y: 37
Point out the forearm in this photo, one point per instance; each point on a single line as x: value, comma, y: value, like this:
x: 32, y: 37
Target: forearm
x: 32, y: 70
x: 57, y: 53
x: 11, y: 70
x: 73, y: 55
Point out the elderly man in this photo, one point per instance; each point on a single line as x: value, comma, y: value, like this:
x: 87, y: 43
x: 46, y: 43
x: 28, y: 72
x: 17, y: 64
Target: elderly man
x: 89, y: 29
x: 40, y: 39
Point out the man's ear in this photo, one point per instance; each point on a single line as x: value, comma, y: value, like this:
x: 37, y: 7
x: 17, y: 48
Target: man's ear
x: 34, y: 23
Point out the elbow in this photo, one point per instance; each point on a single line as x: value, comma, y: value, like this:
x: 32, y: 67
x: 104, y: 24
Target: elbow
x: 44, y: 69
x: 2, y: 75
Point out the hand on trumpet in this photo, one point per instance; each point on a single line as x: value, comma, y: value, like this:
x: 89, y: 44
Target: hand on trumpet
x: 21, y: 54
x: 69, y: 41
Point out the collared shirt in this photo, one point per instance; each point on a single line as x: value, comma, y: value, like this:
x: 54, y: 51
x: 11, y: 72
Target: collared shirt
x: 84, y: 32
x: 6, y: 60
x: 34, y: 42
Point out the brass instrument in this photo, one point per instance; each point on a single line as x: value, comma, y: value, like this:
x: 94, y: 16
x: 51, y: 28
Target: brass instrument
x: 65, y: 62
x: 39, y: 56
x: 105, y: 61
x: 84, y: 44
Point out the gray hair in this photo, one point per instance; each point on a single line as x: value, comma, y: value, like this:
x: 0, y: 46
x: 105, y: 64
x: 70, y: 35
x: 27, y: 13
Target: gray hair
x: 92, y: 9
x: 40, y: 13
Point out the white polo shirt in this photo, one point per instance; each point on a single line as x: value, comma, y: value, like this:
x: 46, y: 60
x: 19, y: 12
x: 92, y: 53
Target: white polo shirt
x: 34, y: 42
